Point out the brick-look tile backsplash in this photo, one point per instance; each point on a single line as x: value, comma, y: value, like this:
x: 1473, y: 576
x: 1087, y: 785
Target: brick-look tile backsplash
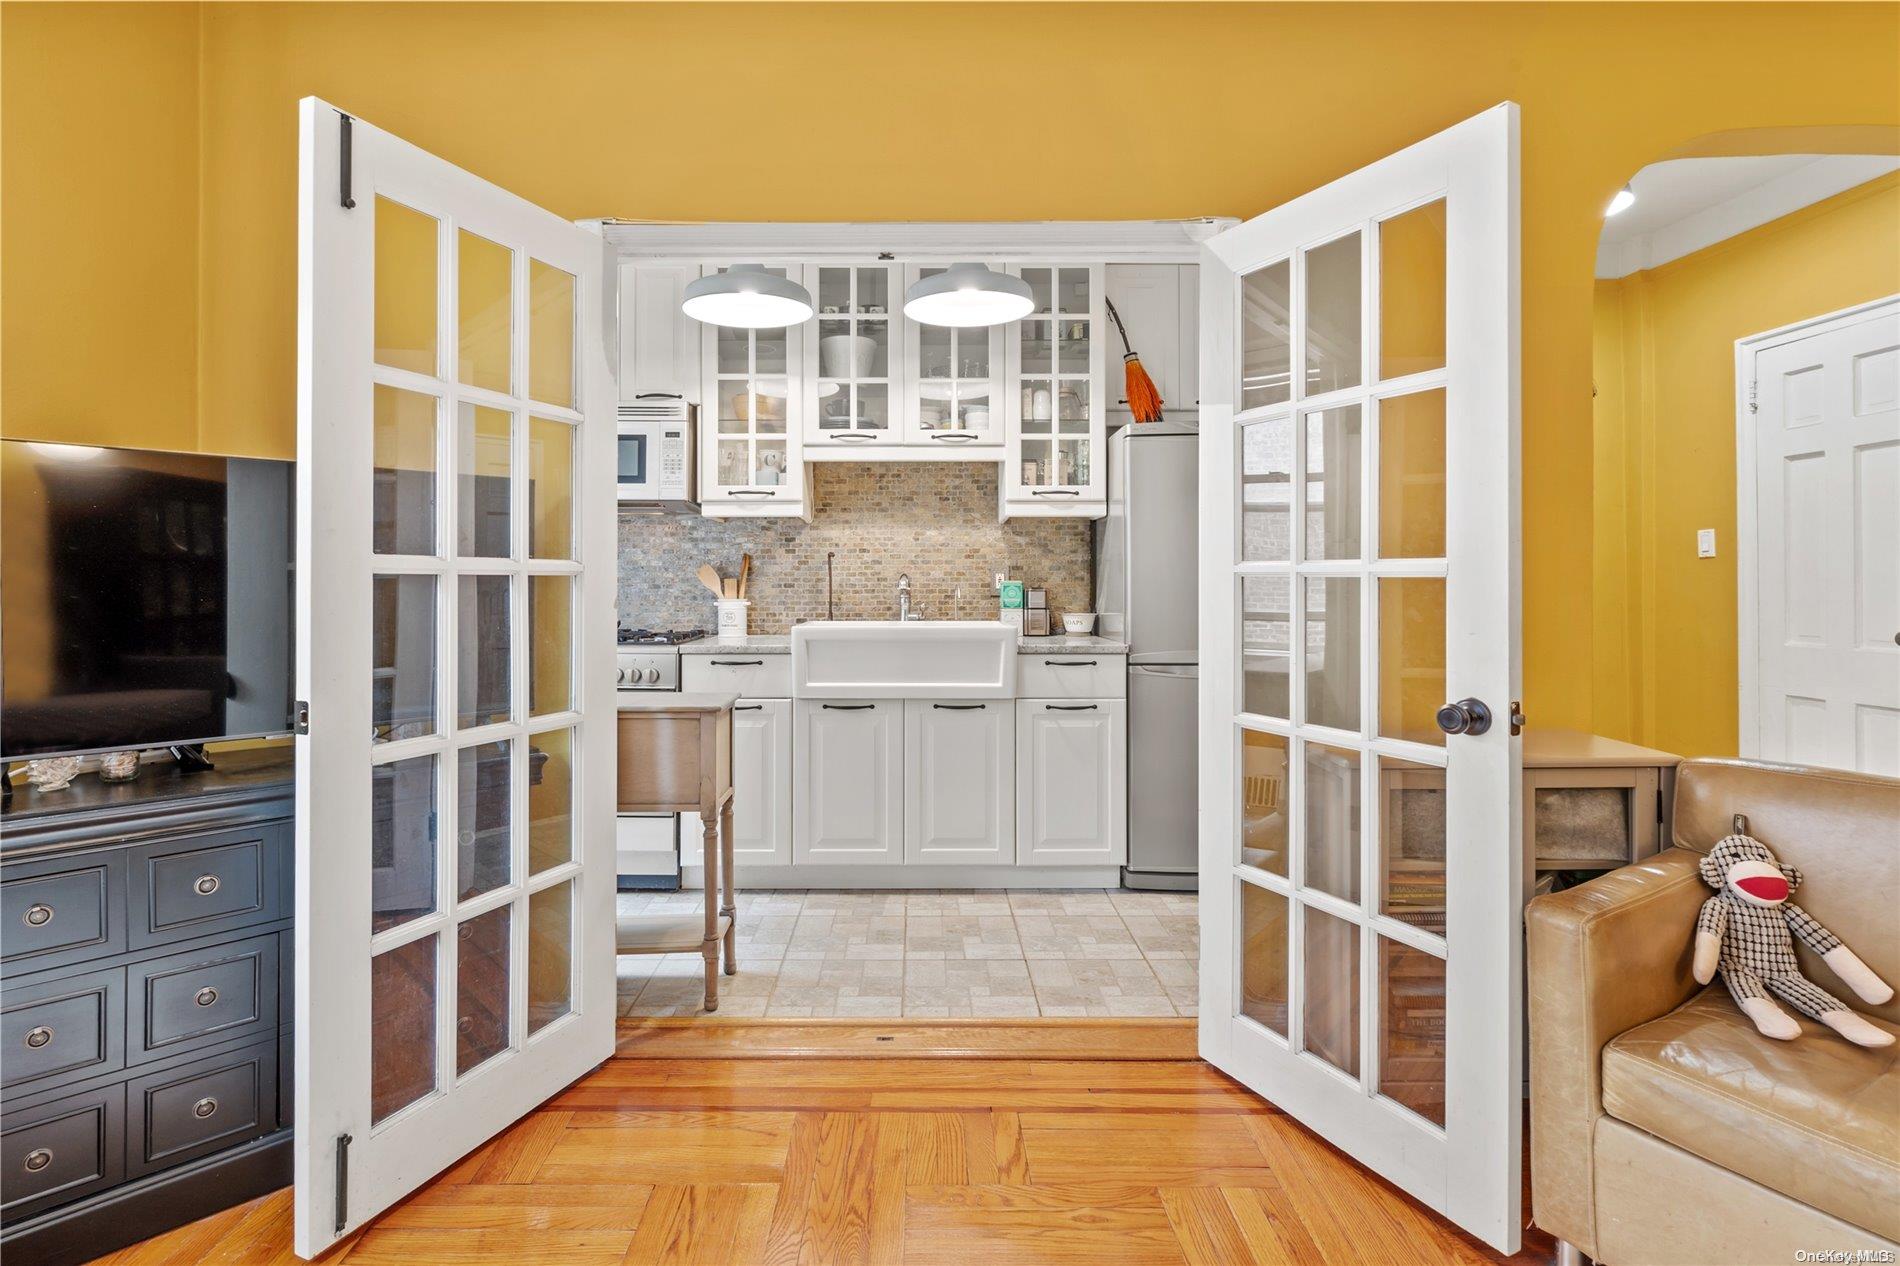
x: 935, y: 521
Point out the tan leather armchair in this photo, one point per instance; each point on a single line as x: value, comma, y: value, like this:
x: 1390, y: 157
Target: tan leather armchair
x: 1664, y: 1128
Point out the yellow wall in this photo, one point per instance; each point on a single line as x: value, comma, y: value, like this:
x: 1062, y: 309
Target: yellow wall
x: 1004, y: 112
x: 1665, y: 663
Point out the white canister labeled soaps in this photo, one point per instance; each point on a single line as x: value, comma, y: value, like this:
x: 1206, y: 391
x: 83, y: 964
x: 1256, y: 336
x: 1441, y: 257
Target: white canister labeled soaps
x: 734, y: 619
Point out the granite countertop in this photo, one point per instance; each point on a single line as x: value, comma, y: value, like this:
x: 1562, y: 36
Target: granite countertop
x: 675, y: 700
x: 757, y: 644
x: 1071, y: 644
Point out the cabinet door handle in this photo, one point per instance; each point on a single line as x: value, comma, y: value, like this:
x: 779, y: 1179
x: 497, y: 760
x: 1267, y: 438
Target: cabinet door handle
x: 1070, y: 663
x: 847, y: 707
x: 853, y: 435
x: 205, y: 885
x: 204, y: 1107
x: 206, y: 996
x: 750, y: 492
x: 39, y: 1158
x: 39, y: 1036
x: 960, y: 707
x: 37, y: 915
x: 958, y: 437
x: 738, y: 663
x: 1071, y: 707
x: 1055, y: 492
x: 747, y: 707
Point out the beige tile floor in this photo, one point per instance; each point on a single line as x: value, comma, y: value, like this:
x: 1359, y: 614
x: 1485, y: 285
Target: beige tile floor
x: 1088, y: 952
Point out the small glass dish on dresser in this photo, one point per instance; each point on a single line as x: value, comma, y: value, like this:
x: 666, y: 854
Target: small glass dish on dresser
x: 119, y: 766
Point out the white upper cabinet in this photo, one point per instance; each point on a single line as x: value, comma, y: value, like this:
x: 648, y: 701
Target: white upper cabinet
x: 751, y: 420
x: 955, y: 379
x: 854, y: 360
x: 1160, y: 306
x: 1057, y: 420
x: 659, y: 344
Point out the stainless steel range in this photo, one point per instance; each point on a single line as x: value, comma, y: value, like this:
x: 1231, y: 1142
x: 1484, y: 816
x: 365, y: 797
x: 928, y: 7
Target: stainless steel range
x: 647, y: 844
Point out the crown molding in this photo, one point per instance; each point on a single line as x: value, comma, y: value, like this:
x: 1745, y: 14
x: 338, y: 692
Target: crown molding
x: 1151, y: 241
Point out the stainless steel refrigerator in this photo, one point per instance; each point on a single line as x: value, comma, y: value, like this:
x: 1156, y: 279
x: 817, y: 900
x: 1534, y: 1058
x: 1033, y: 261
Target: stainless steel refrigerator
x: 1146, y: 558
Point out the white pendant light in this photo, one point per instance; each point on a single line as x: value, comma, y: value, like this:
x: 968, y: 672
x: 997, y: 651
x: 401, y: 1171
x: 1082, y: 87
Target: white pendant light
x: 968, y: 295
x: 1625, y: 199
x: 747, y: 297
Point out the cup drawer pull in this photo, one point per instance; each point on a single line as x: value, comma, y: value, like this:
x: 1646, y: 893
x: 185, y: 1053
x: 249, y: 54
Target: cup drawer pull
x: 38, y: 915
x: 204, y: 1107
x: 205, y: 885
x: 206, y: 996
x: 39, y: 1158
x: 39, y: 1036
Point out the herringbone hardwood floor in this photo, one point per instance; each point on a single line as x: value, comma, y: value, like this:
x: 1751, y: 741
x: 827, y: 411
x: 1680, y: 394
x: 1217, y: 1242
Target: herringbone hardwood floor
x: 882, y: 1161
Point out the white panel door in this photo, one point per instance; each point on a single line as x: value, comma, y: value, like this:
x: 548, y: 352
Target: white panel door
x: 455, y: 607
x: 1820, y: 587
x: 848, y: 782
x: 1361, y: 956
x: 959, y: 782
x: 1071, y: 773
x: 762, y: 781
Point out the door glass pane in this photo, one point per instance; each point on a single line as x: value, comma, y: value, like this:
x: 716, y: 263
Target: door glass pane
x: 769, y: 351
x: 1038, y: 347
x: 874, y: 290
x: 973, y: 353
x: 484, y: 813
x: 550, y: 644
x: 486, y: 311
x: 834, y: 289
x: 1266, y: 483
x: 1039, y: 406
x: 1266, y: 324
x: 402, y: 650
x: 1072, y: 406
x: 483, y: 650
x: 837, y: 350
x: 401, y: 841
x: 550, y: 799
x: 1332, y: 651
x: 551, y: 313
x: 1332, y: 315
x: 1266, y: 644
x: 768, y: 403
x: 1412, y: 843
x: 1412, y: 1029
x: 1041, y: 288
x: 1332, y: 820
x: 1263, y: 833
x: 874, y: 407
x: 403, y: 493
x: 735, y: 463
x: 481, y: 988
x: 405, y: 288
x: 933, y: 352
x: 1411, y: 658
x: 732, y: 350
x: 402, y: 1026
x: 770, y: 470
x: 1072, y: 291
x: 1263, y: 952
x: 484, y: 444
x: 550, y: 955
x: 1329, y: 987
x: 1412, y: 475
x: 1333, y: 503
x: 551, y: 489
x: 1412, y: 291
x: 1072, y: 346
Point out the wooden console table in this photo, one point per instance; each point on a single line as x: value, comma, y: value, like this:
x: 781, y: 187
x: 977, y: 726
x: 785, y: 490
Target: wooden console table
x: 676, y: 757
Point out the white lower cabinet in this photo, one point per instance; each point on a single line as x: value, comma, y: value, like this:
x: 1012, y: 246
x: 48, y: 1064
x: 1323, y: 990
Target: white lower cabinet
x: 848, y: 766
x: 761, y: 789
x: 959, y: 782
x: 1071, y: 776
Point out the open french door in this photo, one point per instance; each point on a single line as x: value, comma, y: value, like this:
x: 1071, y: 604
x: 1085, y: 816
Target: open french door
x: 455, y: 595
x: 1361, y: 867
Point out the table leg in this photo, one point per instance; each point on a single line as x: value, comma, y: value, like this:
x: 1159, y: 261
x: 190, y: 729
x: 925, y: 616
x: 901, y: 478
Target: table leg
x: 731, y: 910
x: 710, y: 948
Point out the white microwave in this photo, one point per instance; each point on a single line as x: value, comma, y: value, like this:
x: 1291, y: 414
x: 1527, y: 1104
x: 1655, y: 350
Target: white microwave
x: 658, y: 445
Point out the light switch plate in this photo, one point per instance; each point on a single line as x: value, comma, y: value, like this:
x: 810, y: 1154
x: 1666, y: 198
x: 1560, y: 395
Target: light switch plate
x: 1705, y: 543
x: 996, y: 581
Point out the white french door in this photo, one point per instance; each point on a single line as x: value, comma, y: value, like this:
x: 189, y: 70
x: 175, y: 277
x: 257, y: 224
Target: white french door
x: 455, y: 661
x: 1361, y: 867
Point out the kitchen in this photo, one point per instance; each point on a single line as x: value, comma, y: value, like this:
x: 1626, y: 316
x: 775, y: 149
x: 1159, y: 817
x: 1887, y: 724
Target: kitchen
x: 865, y: 466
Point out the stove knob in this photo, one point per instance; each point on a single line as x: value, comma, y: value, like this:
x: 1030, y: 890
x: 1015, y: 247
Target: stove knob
x: 652, y: 675
x: 620, y: 677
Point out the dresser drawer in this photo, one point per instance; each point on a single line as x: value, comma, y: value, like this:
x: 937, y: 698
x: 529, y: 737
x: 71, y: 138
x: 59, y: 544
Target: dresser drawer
x: 217, y: 994
x: 206, y: 884
x: 186, y: 1112
x: 748, y: 676
x: 62, y: 1029
x: 1082, y: 676
x: 58, y: 912
x: 59, y: 1151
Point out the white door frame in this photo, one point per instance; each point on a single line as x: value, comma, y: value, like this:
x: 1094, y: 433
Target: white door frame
x: 1748, y: 512
x: 1470, y: 1171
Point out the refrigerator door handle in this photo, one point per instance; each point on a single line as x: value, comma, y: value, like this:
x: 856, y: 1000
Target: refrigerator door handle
x: 1184, y: 671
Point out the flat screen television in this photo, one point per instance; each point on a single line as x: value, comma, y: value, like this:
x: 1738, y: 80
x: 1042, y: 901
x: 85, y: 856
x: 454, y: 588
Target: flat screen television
x: 145, y: 598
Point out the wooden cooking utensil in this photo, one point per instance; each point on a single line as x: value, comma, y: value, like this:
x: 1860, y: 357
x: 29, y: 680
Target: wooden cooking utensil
x: 745, y: 573
x: 710, y: 578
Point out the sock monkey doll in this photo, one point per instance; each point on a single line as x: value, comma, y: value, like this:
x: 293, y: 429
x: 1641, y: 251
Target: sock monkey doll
x: 1747, y: 929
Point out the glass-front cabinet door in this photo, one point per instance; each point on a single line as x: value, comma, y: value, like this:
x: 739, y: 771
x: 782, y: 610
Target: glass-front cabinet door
x: 1058, y: 426
x: 750, y: 418
x: 955, y: 381
x: 852, y: 364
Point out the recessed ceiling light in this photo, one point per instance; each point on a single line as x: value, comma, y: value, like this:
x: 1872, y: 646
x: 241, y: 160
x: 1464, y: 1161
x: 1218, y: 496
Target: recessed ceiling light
x: 1625, y: 199
x: 967, y: 295
x: 747, y: 297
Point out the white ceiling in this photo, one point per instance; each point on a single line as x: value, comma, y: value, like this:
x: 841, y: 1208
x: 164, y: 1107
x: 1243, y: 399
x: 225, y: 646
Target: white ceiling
x: 1688, y: 203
